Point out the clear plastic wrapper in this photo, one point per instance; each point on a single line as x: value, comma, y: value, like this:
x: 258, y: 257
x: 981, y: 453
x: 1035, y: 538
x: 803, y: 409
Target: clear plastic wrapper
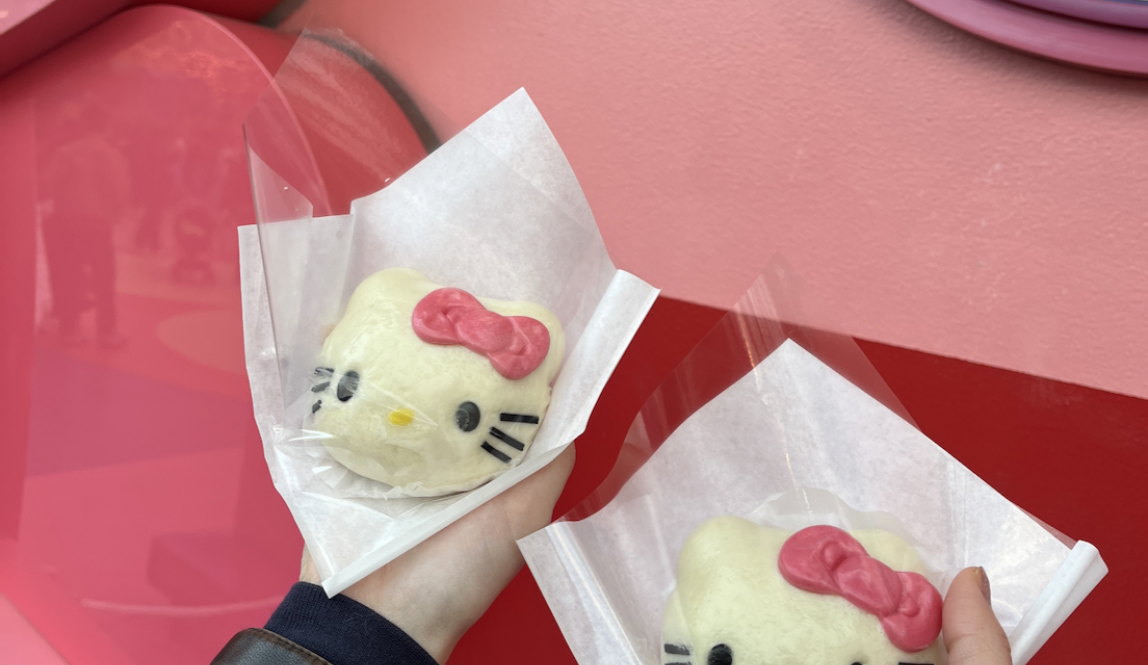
x: 495, y: 211
x: 769, y: 422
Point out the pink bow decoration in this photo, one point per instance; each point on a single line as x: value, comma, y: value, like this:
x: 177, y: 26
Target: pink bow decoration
x: 827, y: 560
x: 515, y: 345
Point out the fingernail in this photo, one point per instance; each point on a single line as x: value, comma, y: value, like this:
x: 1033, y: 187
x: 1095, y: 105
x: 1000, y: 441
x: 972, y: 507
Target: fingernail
x: 986, y: 591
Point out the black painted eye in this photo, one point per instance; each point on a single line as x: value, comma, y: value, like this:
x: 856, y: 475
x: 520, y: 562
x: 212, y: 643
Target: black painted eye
x: 467, y: 416
x: 347, y: 386
x: 720, y: 655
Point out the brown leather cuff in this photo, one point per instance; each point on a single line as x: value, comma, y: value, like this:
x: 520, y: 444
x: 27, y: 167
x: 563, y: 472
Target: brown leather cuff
x: 256, y: 646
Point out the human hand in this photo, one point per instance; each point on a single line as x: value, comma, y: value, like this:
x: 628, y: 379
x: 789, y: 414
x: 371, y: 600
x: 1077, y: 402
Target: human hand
x: 438, y: 589
x: 972, y: 634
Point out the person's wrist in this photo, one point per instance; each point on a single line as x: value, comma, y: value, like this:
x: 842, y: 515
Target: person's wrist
x: 435, y: 628
x: 426, y: 623
x: 436, y: 591
x: 341, y: 629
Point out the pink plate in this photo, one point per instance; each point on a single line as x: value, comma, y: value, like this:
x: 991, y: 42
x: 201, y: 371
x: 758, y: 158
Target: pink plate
x: 1059, y: 37
x: 1128, y: 13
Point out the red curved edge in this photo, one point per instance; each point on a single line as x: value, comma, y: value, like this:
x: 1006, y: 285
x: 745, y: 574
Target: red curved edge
x: 60, y: 20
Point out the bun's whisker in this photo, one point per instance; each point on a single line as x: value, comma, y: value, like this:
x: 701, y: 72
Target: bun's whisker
x: 507, y: 439
x: 518, y: 418
x: 498, y: 454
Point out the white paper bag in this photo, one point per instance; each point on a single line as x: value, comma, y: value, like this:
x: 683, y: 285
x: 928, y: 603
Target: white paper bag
x: 496, y: 211
x: 793, y: 423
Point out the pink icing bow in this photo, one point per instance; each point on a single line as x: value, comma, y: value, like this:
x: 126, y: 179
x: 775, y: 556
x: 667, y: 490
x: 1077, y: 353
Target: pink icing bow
x: 515, y: 345
x: 827, y: 560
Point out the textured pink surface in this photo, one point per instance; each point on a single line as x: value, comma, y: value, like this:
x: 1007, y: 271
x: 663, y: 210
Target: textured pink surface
x: 933, y: 190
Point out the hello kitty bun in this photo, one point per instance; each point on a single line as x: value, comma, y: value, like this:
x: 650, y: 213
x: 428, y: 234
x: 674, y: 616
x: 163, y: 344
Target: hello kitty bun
x: 748, y: 594
x: 430, y: 389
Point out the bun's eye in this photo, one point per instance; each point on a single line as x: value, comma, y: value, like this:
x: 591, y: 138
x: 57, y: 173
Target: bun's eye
x: 347, y: 386
x: 720, y: 655
x: 467, y: 416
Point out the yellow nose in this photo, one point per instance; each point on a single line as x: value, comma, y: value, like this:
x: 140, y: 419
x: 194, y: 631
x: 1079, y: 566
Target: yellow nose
x: 401, y: 417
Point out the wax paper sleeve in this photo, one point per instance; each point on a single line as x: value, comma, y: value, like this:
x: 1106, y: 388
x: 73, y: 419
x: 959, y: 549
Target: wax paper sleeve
x: 788, y: 427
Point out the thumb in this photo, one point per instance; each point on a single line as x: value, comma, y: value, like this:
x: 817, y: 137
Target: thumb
x: 972, y: 634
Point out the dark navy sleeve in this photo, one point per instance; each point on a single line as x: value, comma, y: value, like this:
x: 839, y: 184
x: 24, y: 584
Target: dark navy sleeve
x: 343, y: 631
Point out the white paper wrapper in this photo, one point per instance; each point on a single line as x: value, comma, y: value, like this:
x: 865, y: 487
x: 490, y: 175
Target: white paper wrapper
x: 496, y: 211
x: 790, y: 424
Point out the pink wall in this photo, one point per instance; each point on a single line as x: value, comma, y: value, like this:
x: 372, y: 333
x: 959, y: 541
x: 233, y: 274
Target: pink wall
x: 934, y: 190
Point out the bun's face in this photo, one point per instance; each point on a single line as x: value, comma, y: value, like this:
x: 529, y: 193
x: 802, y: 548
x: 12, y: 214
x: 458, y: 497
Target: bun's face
x: 732, y: 606
x: 428, y: 418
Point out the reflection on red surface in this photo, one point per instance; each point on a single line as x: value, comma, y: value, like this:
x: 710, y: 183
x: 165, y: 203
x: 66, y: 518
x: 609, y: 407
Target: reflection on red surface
x: 145, y: 528
x: 331, y: 143
x: 29, y: 28
x: 138, y: 523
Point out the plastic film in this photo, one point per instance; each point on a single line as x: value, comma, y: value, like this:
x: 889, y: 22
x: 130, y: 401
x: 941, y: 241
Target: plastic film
x: 495, y: 211
x: 788, y: 427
